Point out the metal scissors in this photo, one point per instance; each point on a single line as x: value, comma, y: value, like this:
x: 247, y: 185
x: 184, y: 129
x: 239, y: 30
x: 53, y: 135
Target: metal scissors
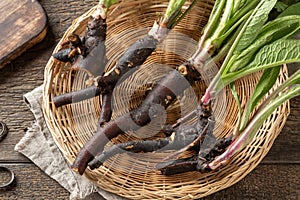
x: 3, y: 133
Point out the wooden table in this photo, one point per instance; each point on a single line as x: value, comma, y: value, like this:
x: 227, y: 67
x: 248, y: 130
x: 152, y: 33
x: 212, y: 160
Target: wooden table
x: 277, y: 177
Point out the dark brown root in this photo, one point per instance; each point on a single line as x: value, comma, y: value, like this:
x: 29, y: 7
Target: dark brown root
x: 106, y: 110
x: 77, y: 96
x: 96, y: 144
x: 136, y: 146
x: 177, y: 166
x: 187, y: 138
x: 131, y: 59
x: 194, y: 163
x: 161, y: 96
x: 88, y: 52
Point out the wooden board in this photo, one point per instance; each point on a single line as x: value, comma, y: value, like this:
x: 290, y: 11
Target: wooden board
x: 23, y: 23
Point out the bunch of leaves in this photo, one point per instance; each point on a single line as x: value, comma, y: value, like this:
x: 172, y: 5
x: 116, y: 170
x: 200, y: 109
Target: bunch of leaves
x: 260, y: 46
x: 222, y: 28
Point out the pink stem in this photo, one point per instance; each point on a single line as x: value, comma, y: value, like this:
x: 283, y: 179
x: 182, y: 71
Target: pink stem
x: 206, y: 97
x: 223, y: 159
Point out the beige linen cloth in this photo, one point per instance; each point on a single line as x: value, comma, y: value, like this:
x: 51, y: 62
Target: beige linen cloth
x: 39, y: 146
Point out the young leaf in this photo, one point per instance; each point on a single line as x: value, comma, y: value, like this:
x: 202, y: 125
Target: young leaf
x: 218, y: 37
x: 255, y: 23
x: 265, y: 83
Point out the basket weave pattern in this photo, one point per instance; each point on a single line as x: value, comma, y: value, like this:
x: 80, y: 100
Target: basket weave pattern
x: 132, y: 175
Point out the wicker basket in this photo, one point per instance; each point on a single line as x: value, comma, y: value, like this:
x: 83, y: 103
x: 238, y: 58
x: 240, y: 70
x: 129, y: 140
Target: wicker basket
x: 133, y: 175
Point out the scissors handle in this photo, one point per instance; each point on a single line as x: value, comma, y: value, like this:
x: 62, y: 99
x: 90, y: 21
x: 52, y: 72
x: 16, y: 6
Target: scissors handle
x: 3, y: 133
x: 3, y: 130
x: 11, y: 179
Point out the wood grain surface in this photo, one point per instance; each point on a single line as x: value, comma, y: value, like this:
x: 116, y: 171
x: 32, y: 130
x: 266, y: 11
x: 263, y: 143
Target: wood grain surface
x: 23, y: 23
x: 277, y: 177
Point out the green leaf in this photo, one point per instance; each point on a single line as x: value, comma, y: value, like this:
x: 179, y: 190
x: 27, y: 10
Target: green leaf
x: 238, y: 4
x: 236, y: 96
x: 249, y: 30
x: 280, y: 23
x: 237, y: 18
x: 238, y: 101
x: 265, y: 83
x: 214, y: 18
x: 108, y: 3
x: 291, y: 10
x: 180, y: 15
x: 173, y: 7
x: 245, y: 7
x: 256, y: 122
x: 219, y: 4
x: 277, y: 53
x: 280, y: 6
x: 279, y: 28
x: 260, y: 116
x: 247, y: 134
x: 254, y: 24
x: 294, y: 79
x: 227, y: 12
